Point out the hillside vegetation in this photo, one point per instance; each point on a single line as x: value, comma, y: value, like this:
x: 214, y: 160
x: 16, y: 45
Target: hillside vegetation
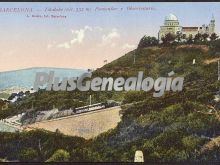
x: 175, y: 127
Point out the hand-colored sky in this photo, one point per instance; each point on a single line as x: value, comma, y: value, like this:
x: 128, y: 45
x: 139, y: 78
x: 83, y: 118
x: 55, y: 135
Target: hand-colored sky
x: 86, y: 39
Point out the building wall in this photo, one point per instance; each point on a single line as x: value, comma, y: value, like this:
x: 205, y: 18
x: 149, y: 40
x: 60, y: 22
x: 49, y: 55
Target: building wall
x: 212, y: 27
x: 187, y: 33
x: 169, y: 27
x: 172, y: 26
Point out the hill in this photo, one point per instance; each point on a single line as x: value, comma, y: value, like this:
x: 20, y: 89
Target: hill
x: 174, y: 127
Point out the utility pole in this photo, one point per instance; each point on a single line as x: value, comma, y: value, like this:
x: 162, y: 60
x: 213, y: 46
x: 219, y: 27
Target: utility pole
x: 90, y: 99
x: 134, y: 56
x: 218, y: 70
x: 39, y: 145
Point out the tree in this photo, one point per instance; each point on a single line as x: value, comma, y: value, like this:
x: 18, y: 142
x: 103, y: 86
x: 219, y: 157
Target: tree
x: 179, y: 36
x: 198, y: 37
x: 59, y: 156
x: 190, y: 39
x: 147, y: 41
x: 28, y: 155
x: 205, y: 36
x: 213, y: 36
x: 169, y: 38
x: 215, y: 45
x: 184, y: 36
x: 132, y: 96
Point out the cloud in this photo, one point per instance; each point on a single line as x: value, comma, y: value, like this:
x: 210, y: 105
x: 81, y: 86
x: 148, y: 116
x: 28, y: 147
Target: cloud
x: 50, y: 45
x: 128, y: 46
x: 88, y: 28
x: 79, y: 36
x: 65, y: 45
x: 107, y: 39
x: 98, y: 28
x: 113, y: 34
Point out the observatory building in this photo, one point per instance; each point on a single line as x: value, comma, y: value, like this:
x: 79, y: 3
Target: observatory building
x: 172, y: 25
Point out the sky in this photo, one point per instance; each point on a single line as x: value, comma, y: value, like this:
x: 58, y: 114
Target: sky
x: 84, y: 35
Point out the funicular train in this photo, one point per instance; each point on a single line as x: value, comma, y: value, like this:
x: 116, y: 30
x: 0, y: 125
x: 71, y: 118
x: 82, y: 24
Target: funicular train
x: 97, y: 106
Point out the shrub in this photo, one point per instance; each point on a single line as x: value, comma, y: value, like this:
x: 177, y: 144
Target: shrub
x: 59, y: 156
x: 28, y: 155
x: 147, y: 41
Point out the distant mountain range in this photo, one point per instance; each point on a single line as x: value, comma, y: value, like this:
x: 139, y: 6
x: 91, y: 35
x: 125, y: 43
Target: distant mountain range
x: 25, y: 77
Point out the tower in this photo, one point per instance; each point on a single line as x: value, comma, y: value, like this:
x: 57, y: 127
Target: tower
x: 212, y: 25
x: 218, y: 70
x: 171, y: 25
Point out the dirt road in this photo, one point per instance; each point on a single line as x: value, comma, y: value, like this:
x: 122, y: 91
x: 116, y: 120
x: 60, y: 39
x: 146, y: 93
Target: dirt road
x: 86, y: 125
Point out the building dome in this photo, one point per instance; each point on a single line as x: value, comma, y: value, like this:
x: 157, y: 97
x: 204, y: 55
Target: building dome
x: 171, y: 17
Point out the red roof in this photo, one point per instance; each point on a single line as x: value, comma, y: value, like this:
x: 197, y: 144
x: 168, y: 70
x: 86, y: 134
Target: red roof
x: 190, y: 28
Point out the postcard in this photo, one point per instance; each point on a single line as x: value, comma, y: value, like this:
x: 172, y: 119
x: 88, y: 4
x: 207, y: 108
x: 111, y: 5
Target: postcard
x: 109, y: 82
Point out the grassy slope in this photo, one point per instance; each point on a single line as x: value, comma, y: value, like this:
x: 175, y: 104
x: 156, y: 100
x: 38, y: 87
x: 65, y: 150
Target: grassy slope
x: 174, y: 127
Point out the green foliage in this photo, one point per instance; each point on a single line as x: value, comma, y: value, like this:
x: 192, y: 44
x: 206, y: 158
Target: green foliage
x: 28, y: 155
x: 39, y: 145
x: 215, y: 46
x: 205, y: 36
x: 190, y: 39
x: 214, y: 36
x: 198, y: 38
x: 173, y: 127
x: 134, y: 96
x: 190, y: 143
x: 147, y: 41
x: 168, y: 39
x: 59, y: 156
x: 179, y: 36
